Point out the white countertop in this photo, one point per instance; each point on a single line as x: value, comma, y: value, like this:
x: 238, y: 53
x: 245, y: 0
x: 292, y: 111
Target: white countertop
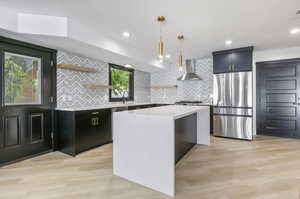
x: 113, y: 105
x: 104, y: 106
x: 174, y: 111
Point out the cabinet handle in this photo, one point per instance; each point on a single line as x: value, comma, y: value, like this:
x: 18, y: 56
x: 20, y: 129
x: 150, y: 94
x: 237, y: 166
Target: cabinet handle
x: 95, y: 121
x: 95, y: 113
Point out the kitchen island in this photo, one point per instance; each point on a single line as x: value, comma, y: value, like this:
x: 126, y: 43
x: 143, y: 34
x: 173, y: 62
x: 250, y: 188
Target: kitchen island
x: 149, y: 142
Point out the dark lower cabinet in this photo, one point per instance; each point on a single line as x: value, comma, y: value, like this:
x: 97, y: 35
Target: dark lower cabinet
x: 185, y: 135
x: 145, y: 106
x: 83, y: 130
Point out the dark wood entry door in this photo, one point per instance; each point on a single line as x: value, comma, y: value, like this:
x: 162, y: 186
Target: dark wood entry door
x: 278, y: 112
x: 26, y: 100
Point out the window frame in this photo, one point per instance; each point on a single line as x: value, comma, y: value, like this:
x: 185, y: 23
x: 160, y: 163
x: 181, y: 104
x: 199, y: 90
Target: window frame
x: 41, y: 89
x: 26, y: 54
x: 131, y: 83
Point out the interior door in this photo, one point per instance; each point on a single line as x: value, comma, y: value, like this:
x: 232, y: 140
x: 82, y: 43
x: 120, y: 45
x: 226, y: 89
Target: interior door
x: 25, y: 110
x: 279, y: 98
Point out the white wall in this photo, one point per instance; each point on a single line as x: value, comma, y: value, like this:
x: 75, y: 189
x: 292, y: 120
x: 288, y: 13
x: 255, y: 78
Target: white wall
x: 270, y: 55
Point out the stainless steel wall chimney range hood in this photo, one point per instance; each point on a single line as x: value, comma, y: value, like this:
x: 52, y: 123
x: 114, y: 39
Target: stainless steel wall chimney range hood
x: 190, y: 74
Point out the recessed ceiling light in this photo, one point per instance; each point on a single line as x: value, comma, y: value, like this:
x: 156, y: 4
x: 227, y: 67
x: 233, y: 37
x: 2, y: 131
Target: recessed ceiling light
x: 228, y: 42
x: 295, y: 31
x: 161, y: 60
x: 126, y: 34
x: 168, y: 56
x: 128, y: 66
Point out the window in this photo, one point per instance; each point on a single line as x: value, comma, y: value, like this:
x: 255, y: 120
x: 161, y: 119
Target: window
x: 122, y: 80
x: 22, y: 79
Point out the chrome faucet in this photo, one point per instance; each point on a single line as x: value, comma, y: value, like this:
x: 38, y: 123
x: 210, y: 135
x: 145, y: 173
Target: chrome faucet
x: 123, y: 96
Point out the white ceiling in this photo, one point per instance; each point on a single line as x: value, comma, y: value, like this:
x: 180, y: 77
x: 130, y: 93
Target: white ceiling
x: 206, y: 25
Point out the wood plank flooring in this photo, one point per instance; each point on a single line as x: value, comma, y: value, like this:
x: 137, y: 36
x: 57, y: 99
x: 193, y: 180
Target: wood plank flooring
x: 268, y: 168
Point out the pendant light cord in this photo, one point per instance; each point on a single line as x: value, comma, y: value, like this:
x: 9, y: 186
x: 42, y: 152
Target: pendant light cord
x: 160, y: 31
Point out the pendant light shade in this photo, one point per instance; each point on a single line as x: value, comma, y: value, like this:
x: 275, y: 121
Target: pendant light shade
x: 160, y: 20
x: 161, y: 49
x: 180, y: 57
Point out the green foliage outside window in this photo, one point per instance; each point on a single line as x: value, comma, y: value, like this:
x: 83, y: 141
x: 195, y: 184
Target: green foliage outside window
x: 21, y: 83
x: 14, y: 75
x: 120, y: 82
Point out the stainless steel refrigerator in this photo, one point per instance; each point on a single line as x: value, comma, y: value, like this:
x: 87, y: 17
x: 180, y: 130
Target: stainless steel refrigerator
x: 233, y: 105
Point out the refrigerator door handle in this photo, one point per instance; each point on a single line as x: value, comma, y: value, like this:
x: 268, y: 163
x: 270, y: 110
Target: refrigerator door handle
x: 231, y: 88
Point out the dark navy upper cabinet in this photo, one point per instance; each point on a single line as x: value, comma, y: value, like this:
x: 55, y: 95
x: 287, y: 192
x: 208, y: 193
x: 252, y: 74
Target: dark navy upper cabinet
x: 234, y: 60
x: 222, y: 63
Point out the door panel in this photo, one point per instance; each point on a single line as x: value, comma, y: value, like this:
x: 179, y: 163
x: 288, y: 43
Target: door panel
x: 281, y: 111
x: 12, y: 132
x: 36, y: 124
x: 279, y: 98
x: 222, y: 89
x: 242, y: 61
x: 93, y: 128
x: 280, y: 70
x: 280, y: 84
x: 242, y: 89
x: 222, y: 63
x: 233, y: 126
x: 26, y: 107
x: 281, y: 124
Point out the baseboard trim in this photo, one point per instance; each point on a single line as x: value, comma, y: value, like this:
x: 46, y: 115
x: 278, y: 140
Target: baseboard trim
x: 25, y: 158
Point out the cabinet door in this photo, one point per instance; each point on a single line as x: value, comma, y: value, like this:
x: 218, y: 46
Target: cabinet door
x: 93, y: 128
x: 130, y: 108
x: 103, y: 125
x: 241, y: 61
x: 222, y: 63
x: 84, y: 132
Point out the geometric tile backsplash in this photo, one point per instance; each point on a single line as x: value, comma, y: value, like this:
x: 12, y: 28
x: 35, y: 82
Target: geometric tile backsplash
x: 72, y: 93
x: 186, y: 90
x: 70, y: 84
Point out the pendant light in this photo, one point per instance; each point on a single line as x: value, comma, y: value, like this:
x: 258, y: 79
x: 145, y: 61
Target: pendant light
x: 180, y: 57
x: 160, y: 20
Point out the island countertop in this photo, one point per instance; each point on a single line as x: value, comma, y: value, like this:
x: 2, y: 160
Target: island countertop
x: 104, y: 106
x: 174, y: 111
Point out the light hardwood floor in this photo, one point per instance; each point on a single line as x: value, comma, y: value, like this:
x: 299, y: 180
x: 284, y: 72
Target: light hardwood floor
x: 268, y: 168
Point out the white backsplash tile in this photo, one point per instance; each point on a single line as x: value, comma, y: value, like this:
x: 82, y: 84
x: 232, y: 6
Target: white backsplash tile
x: 70, y: 84
x: 186, y: 90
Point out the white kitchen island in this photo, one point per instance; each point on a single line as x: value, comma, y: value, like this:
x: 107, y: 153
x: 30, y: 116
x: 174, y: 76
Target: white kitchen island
x: 147, y: 143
